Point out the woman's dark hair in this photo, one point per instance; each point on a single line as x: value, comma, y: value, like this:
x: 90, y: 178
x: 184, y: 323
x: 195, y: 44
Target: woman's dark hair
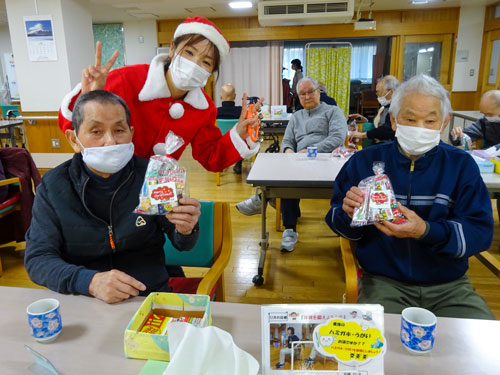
x: 297, y: 63
x: 291, y: 329
x: 193, y: 39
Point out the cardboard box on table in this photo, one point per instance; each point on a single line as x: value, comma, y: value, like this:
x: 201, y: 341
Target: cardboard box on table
x: 142, y: 345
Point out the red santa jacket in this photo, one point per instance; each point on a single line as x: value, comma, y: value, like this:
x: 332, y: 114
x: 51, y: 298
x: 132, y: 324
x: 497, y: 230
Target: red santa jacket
x: 154, y: 113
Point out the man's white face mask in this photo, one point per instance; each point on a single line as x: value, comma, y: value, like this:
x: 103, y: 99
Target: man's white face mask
x: 187, y: 75
x: 383, y: 100
x: 492, y: 118
x: 107, y: 159
x: 416, y: 140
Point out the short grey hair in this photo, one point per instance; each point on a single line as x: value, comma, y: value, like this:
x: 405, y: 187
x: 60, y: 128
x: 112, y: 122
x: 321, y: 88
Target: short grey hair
x: 310, y: 79
x: 495, y: 95
x: 421, y: 84
x: 390, y: 82
x: 99, y: 96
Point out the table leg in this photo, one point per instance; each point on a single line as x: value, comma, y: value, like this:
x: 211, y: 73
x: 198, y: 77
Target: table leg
x: 258, y: 279
x: 12, y: 131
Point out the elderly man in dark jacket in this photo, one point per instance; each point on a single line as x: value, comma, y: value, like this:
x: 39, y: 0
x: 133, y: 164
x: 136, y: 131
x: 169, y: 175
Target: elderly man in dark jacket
x: 85, y: 237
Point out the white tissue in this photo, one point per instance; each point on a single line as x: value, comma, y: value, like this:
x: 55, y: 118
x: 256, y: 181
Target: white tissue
x: 206, y: 351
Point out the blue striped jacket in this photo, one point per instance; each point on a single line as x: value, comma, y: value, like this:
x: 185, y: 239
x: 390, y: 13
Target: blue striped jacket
x: 445, y: 188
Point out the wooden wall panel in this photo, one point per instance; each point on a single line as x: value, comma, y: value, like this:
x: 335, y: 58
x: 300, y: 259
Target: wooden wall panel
x: 389, y: 23
x: 465, y: 101
x: 40, y: 134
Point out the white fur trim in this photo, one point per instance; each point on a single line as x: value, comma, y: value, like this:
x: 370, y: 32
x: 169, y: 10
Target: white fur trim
x: 65, y: 111
x: 155, y: 86
x: 196, y: 98
x: 245, y: 150
x: 208, y: 31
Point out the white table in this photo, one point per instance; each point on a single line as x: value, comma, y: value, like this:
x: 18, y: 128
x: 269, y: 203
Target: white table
x: 50, y: 160
x: 91, y: 341
x: 290, y: 175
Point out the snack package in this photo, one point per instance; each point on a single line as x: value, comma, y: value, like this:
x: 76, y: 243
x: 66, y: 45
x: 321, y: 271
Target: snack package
x: 165, y: 181
x: 343, y: 152
x: 379, y: 201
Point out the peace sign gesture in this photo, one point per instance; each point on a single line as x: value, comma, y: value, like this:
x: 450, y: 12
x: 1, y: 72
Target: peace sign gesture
x: 94, y: 76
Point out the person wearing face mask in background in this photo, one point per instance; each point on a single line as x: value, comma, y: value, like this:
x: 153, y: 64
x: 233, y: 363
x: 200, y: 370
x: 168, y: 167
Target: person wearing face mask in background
x: 486, y: 128
x: 423, y: 261
x: 84, y: 237
x: 167, y: 96
x: 383, y: 130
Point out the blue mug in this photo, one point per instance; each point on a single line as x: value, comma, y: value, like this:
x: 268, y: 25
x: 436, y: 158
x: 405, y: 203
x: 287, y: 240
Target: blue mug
x: 44, y: 319
x: 312, y: 152
x: 418, y: 330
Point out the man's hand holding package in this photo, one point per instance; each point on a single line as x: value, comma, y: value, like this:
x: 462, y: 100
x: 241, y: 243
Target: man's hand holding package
x: 185, y: 216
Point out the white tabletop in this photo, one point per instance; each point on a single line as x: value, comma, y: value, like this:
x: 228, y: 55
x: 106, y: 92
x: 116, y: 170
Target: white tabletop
x: 91, y: 341
x: 7, y: 123
x: 294, y: 169
x: 50, y: 160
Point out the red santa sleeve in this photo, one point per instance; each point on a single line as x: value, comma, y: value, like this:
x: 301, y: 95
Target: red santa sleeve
x: 216, y: 152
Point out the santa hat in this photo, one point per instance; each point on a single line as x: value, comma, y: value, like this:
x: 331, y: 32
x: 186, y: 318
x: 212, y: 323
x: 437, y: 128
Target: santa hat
x: 202, y: 26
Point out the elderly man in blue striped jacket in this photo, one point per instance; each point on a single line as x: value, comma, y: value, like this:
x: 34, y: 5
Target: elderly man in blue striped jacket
x: 423, y: 261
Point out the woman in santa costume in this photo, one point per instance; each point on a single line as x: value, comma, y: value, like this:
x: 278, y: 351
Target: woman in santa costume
x: 167, y: 96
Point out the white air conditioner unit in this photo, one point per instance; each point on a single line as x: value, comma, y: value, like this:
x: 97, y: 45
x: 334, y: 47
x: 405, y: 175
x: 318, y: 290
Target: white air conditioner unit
x: 305, y: 12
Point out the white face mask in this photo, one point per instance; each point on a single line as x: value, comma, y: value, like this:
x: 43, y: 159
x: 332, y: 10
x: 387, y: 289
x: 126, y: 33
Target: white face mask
x: 383, y: 101
x: 107, y: 159
x: 492, y: 118
x: 415, y: 140
x: 187, y: 75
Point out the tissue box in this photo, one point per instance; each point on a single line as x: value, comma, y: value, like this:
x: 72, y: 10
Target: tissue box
x: 485, y: 166
x: 143, y: 345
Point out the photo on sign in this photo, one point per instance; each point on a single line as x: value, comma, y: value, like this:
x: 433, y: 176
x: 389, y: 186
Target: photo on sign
x: 286, y: 338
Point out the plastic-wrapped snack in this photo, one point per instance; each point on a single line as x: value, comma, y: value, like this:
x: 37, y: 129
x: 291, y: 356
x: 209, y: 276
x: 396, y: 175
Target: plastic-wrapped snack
x: 165, y: 181
x: 379, y: 201
x: 343, y: 152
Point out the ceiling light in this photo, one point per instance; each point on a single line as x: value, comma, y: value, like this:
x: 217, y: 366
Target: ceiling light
x: 240, y: 4
x: 430, y: 49
x: 423, y: 50
x: 419, y: 2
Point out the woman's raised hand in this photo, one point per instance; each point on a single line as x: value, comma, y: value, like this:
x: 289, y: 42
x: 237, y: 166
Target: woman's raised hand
x: 94, y: 76
x: 241, y: 127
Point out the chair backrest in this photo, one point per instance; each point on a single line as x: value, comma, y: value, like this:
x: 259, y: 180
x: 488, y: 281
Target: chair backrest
x: 202, y: 255
x: 226, y: 124
x: 14, y: 110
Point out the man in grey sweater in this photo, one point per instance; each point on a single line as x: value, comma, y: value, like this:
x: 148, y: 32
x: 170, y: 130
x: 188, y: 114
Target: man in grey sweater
x: 318, y: 124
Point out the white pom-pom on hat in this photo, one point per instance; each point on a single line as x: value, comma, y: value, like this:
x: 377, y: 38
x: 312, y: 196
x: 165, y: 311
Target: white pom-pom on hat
x: 176, y: 111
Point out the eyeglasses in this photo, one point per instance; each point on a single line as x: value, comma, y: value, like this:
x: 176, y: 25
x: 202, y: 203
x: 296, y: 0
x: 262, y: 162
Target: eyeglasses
x: 310, y: 92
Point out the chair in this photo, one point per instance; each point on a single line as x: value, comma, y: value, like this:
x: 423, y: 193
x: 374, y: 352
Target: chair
x: 12, y: 203
x: 369, y: 101
x: 224, y: 125
x: 213, y: 250
x: 353, y: 271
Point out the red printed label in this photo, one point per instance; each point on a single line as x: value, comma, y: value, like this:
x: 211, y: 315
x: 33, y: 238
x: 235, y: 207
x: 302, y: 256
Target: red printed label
x: 379, y: 198
x: 162, y: 193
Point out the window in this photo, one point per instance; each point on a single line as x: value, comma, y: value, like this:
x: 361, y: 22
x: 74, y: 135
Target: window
x: 361, y: 58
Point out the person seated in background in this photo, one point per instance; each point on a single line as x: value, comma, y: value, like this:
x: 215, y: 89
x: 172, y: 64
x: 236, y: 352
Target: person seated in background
x: 318, y: 124
x: 383, y: 130
x: 288, y: 349
x: 323, y: 97
x: 84, y: 237
x: 229, y: 110
x: 421, y: 262
x: 486, y: 128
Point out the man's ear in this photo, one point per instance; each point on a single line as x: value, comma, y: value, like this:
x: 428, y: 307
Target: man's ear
x: 132, y: 131
x: 393, y: 122
x: 446, y: 122
x: 71, y: 137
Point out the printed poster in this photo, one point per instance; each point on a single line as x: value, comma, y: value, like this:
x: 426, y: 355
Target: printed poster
x: 40, y: 38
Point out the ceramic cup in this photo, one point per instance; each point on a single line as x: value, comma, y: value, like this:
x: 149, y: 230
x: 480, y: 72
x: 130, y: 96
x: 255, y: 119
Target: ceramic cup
x: 312, y: 152
x: 418, y: 330
x: 44, y: 319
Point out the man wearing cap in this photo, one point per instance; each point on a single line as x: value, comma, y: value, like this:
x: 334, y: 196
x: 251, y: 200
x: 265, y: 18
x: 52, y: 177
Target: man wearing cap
x: 167, y: 96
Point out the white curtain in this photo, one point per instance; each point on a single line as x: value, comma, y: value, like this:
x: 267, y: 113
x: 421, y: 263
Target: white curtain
x: 362, y: 60
x: 255, y: 70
